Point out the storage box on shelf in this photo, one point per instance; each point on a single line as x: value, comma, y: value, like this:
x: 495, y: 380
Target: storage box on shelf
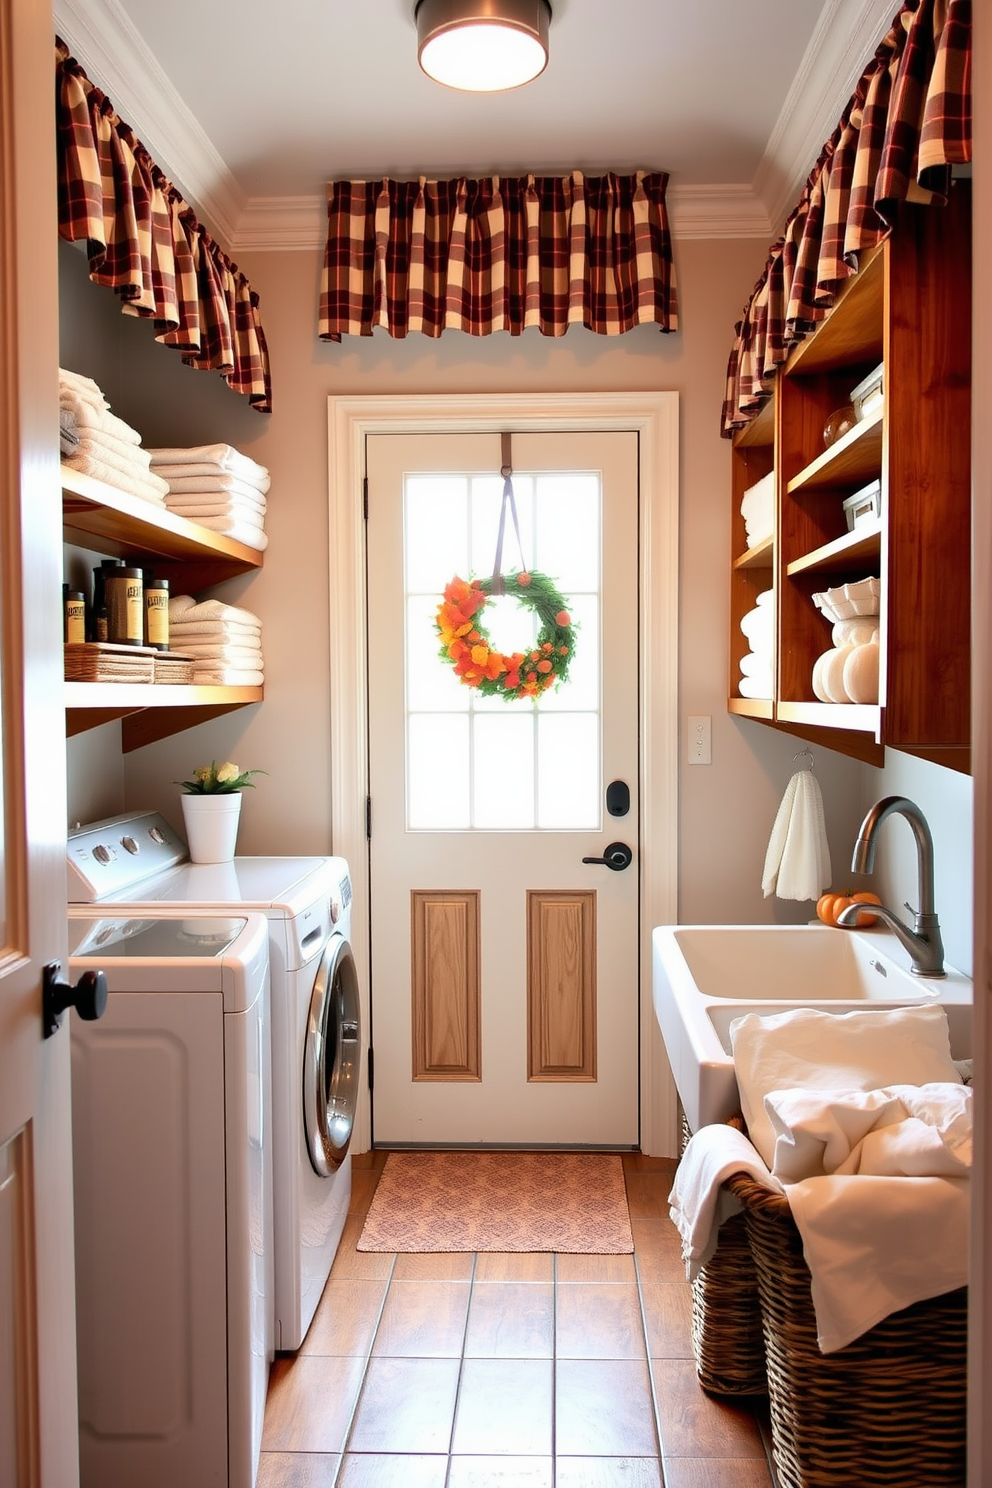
x: 908, y: 310
x: 109, y: 521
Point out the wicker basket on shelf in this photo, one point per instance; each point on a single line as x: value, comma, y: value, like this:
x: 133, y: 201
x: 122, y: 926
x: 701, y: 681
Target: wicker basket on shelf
x: 886, y: 1411
x: 727, y: 1339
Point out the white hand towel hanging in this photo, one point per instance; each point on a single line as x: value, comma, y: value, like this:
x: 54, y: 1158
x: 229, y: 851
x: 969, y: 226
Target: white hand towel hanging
x: 797, y: 863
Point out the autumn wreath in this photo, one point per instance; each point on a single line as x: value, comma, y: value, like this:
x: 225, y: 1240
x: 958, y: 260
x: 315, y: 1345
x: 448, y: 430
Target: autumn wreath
x: 465, y: 642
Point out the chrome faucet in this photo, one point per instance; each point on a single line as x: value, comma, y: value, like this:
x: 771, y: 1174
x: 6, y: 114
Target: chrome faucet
x: 923, y: 942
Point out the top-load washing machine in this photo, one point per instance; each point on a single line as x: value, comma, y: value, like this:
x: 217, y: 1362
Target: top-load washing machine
x: 139, y: 863
x: 172, y: 1179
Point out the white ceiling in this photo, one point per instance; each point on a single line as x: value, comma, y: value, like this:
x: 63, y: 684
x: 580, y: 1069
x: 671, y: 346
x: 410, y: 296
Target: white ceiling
x: 253, y: 106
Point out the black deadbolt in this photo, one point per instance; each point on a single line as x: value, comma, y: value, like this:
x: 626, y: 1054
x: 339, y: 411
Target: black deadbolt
x: 618, y: 798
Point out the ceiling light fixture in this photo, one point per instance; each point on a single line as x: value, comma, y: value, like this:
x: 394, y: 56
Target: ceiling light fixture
x: 483, y: 46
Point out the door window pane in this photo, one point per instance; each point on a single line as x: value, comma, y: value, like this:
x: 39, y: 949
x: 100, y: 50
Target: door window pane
x: 492, y: 764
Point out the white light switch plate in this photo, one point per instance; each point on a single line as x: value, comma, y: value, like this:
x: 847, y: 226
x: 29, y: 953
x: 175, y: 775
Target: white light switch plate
x: 700, y: 749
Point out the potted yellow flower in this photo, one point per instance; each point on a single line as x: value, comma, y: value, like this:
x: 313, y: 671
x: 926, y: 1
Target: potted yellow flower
x: 212, y: 809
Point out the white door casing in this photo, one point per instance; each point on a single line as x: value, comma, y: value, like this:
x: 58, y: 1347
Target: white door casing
x: 38, y: 1430
x: 654, y: 417
x: 504, y: 968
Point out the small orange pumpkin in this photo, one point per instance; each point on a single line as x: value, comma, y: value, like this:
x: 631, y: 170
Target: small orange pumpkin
x: 830, y: 906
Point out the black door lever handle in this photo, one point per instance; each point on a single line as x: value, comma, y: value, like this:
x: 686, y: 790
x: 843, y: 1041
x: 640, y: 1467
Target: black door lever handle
x: 617, y: 856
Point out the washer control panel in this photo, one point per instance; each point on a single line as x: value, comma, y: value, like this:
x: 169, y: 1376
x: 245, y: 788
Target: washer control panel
x: 105, y: 858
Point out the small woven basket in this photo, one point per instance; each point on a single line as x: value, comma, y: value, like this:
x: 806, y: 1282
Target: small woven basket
x: 887, y: 1411
x: 727, y: 1338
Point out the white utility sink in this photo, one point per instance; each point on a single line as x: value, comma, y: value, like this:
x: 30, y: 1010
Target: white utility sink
x: 707, y: 975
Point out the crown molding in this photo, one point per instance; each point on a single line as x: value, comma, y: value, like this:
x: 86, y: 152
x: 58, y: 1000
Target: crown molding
x: 845, y: 38
x: 271, y: 224
x: 100, y: 35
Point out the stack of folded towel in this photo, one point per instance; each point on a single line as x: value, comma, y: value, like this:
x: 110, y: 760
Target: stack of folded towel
x: 218, y: 487
x: 758, y: 625
x: 96, y: 442
x: 225, y: 642
x: 758, y: 510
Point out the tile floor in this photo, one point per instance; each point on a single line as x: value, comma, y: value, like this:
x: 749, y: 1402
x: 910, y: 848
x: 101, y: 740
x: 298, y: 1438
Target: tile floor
x: 507, y: 1371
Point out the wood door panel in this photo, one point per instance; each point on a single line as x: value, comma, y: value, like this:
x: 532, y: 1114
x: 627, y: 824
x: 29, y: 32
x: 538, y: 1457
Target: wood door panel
x: 561, y: 985
x: 446, y: 982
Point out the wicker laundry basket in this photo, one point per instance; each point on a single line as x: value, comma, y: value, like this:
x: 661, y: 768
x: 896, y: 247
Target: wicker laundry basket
x: 727, y: 1339
x: 887, y: 1411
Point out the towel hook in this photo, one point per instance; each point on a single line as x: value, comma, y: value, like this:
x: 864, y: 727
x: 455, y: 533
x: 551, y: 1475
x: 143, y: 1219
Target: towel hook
x: 807, y: 751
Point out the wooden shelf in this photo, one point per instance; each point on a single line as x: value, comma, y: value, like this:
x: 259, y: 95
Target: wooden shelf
x: 856, y: 456
x: 863, y: 545
x: 751, y: 707
x: 762, y: 555
x: 110, y: 521
x: 149, y: 711
x: 864, y: 718
x: 106, y: 520
x: 909, y: 306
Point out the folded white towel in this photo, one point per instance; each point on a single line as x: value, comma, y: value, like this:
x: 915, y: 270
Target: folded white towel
x: 698, y: 1203
x: 797, y: 861
x: 876, y: 1245
x: 129, y: 459
x: 184, y: 609
x: 759, y: 498
x: 212, y: 634
x: 759, y: 625
x: 228, y: 652
x: 224, y: 456
x: 913, y: 1131
x: 133, y: 482
x: 221, y: 505
x: 806, y: 1049
x: 232, y: 511
x: 760, y: 686
x: 757, y: 663
x: 246, y: 533
x: 83, y: 387
x: 214, y: 674
x: 198, y: 484
x: 212, y: 478
x: 88, y: 416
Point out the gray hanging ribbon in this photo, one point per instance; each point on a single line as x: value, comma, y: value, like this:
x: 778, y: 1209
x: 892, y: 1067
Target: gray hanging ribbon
x: 498, y: 585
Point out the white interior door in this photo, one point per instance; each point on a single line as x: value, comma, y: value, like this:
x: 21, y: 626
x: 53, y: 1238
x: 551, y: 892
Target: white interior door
x: 504, y: 968
x: 38, y: 1433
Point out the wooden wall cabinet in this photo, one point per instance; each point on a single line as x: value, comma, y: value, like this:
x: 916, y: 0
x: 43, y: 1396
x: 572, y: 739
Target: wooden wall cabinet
x: 102, y: 518
x: 908, y: 308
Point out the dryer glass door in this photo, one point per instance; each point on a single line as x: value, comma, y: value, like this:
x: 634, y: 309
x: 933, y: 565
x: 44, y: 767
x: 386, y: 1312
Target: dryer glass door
x: 331, y: 1058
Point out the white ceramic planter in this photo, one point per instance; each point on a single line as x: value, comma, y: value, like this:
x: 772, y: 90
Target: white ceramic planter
x: 212, y: 825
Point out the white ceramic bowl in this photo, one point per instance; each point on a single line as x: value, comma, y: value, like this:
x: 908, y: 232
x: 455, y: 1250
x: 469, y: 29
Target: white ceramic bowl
x: 848, y: 600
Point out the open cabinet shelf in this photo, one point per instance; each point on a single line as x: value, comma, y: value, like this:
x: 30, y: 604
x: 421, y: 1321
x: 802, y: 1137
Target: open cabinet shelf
x: 192, y: 558
x: 908, y: 309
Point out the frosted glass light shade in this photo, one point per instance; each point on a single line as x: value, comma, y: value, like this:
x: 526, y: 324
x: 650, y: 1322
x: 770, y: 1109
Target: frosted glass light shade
x: 483, y: 46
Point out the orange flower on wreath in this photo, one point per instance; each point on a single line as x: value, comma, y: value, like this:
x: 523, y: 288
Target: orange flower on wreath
x: 466, y: 645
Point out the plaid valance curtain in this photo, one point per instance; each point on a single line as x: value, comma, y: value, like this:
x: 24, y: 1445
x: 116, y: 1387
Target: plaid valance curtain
x: 143, y: 240
x: 498, y: 255
x: 907, y: 123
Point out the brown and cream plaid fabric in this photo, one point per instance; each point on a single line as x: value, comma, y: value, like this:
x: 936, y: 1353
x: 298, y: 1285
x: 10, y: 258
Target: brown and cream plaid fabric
x: 907, y: 123
x: 498, y: 254
x: 143, y: 240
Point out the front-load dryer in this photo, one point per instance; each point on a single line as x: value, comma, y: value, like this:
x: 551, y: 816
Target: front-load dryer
x: 138, y: 862
x: 172, y: 1178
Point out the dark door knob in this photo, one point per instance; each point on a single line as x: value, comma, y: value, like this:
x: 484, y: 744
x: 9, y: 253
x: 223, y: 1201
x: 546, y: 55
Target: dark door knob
x: 617, y: 856
x: 88, y: 997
